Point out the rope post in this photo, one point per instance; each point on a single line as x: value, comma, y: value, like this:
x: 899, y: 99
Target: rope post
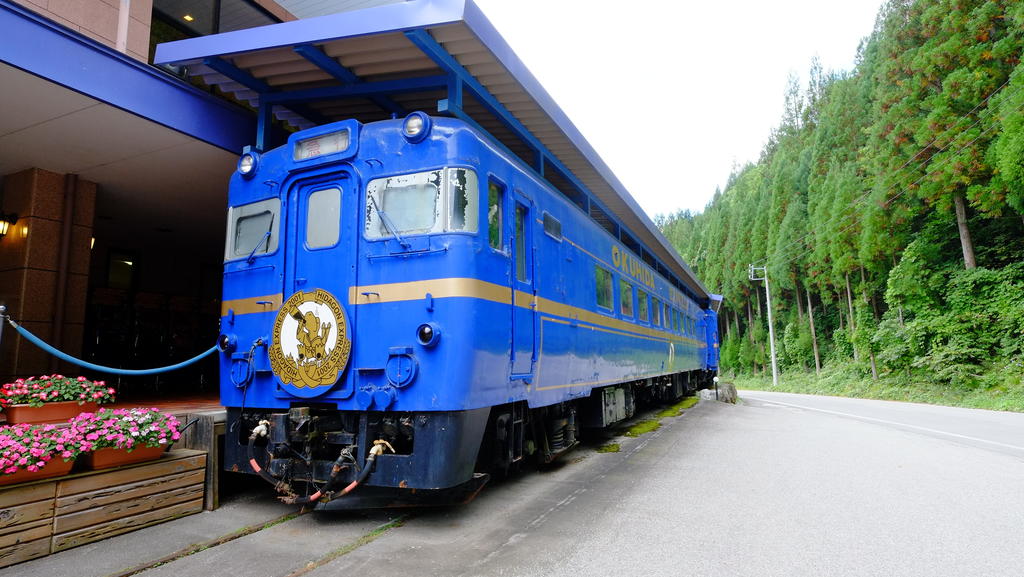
x: 3, y: 320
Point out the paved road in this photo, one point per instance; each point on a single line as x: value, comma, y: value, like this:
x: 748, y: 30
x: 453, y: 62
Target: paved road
x: 756, y: 489
x: 994, y: 430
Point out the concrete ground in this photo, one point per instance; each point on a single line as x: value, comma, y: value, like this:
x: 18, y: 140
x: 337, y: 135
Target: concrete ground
x: 753, y: 489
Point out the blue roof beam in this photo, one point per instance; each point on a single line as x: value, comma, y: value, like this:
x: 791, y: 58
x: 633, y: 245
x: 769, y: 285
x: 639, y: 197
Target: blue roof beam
x: 464, y: 80
x: 263, y: 89
x: 361, y: 90
x: 425, y: 42
x: 343, y: 75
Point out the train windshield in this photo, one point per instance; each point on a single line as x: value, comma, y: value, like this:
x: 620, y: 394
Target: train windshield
x: 422, y: 203
x: 252, y: 229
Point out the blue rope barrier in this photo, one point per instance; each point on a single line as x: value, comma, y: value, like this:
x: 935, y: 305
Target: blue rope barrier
x: 66, y: 357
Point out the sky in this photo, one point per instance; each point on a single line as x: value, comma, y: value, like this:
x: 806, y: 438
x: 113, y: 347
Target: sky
x: 674, y: 94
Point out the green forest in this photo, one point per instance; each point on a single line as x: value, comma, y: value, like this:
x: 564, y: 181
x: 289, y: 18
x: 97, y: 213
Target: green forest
x: 888, y: 209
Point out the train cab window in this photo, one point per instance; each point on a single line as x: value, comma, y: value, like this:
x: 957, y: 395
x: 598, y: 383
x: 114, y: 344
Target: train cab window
x: 552, y: 227
x: 406, y: 204
x: 495, y: 200
x: 641, y: 305
x: 604, y: 287
x: 253, y: 229
x: 625, y: 298
x: 656, y: 310
x: 463, y: 198
x: 323, y: 218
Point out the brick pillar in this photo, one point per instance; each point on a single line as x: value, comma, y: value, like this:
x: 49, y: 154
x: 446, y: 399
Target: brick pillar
x: 29, y: 259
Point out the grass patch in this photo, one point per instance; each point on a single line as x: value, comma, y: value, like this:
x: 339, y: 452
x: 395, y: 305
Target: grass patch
x: 641, y: 427
x: 609, y: 448
x: 678, y: 408
x: 847, y: 381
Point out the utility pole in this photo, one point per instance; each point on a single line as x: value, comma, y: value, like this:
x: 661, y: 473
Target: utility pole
x: 763, y: 271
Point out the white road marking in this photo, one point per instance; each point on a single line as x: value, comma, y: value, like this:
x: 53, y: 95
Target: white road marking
x: 894, y: 423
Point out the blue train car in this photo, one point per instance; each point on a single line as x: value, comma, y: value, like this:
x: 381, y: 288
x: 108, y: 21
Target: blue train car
x: 407, y: 307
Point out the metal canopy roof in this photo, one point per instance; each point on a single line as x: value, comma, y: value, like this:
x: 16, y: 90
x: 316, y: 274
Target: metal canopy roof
x: 432, y: 55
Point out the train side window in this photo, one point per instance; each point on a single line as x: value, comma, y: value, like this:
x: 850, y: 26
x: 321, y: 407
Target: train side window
x: 604, y: 287
x: 656, y: 319
x: 641, y: 305
x: 521, y: 243
x: 495, y: 200
x: 464, y: 194
x: 625, y: 298
x: 323, y: 218
x: 252, y: 229
x: 552, y: 227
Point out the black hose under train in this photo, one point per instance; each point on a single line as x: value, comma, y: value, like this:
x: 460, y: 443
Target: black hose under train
x: 326, y: 491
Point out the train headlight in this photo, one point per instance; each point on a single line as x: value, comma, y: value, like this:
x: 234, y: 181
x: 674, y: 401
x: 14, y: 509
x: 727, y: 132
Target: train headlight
x: 428, y: 334
x: 416, y: 127
x: 247, y: 164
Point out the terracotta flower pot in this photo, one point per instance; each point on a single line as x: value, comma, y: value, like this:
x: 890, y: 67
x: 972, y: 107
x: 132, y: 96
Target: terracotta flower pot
x: 54, y: 413
x: 54, y: 468
x: 112, y: 457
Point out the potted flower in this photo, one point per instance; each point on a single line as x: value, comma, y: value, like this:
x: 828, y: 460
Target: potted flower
x: 123, y: 436
x: 31, y: 452
x: 52, y: 398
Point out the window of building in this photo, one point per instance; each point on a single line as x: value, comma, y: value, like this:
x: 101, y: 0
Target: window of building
x: 625, y: 298
x: 121, y: 269
x: 604, y: 287
x: 495, y: 202
x: 323, y: 218
x: 641, y: 305
x: 202, y: 18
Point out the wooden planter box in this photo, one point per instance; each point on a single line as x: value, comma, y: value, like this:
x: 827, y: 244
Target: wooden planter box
x: 49, y: 413
x: 111, y: 457
x: 44, y: 517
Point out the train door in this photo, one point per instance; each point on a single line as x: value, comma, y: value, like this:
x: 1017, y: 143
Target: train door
x: 320, y: 266
x: 523, y: 289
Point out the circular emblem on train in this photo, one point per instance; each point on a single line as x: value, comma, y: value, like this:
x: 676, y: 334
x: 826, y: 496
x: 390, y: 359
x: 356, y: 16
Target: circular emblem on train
x: 311, y: 345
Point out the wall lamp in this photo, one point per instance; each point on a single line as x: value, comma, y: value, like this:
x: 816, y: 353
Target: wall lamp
x: 6, y: 222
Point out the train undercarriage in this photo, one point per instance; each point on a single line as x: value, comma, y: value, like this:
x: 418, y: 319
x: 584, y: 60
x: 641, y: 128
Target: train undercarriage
x: 316, y: 454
